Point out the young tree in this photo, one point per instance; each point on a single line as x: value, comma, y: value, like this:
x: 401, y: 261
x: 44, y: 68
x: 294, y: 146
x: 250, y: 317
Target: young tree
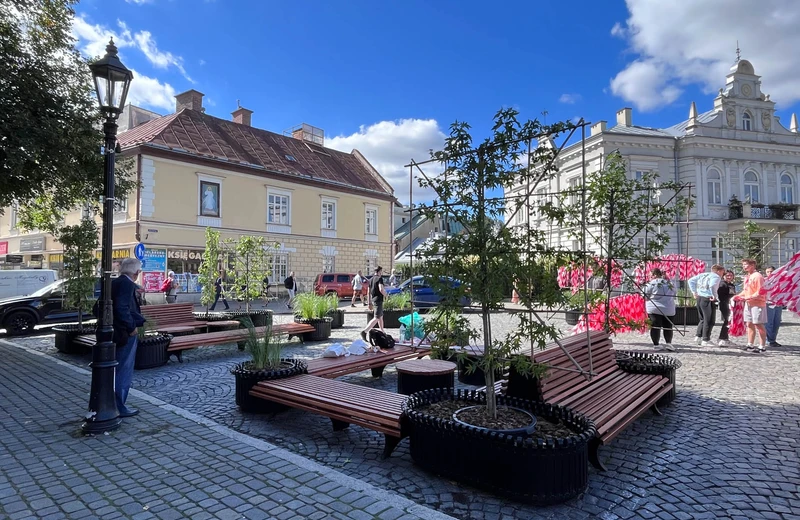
x: 250, y: 267
x: 488, y: 253
x: 80, y: 243
x: 749, y: 242
x: 210, y: 267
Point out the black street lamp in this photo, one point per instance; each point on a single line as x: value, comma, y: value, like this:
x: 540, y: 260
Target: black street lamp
x: 111, y: 81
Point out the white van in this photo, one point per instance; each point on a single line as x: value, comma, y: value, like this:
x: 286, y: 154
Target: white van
x: 22, y: 282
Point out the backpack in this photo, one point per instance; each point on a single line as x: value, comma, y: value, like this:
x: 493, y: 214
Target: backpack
x: 380, y: 339
x: 166, y: 285
x: 288, y: 283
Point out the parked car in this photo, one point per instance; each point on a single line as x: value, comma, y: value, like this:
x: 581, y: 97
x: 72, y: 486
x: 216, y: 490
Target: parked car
x: 423, y: 294
x: 340, y: 284
x: 21, y: 314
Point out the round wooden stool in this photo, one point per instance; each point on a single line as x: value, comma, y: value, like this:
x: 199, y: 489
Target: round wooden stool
x: 416, y: 375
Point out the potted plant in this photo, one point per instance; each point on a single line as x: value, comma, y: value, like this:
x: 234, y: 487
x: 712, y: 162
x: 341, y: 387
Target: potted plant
x: 312, y: 309
x: 151, y: 348
x: 686, y: 312
x: 265, y: 364
x: 336, y: 314
x: 735, y: 208
x: 463, y: 434
x: 394, y: 306
x: 79, y: 242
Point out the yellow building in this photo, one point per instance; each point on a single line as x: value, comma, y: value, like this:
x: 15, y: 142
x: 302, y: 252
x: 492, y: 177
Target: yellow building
x: 327, y: 210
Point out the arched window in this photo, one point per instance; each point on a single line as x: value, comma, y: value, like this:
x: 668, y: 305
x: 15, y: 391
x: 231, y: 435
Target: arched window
x: 787, y: 189
x: 714, y: 186
x: 746, y: 121
x: 751, y: 190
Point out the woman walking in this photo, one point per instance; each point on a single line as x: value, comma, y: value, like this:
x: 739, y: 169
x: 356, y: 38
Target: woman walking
x: 659, y: 296
x: 726, y: 291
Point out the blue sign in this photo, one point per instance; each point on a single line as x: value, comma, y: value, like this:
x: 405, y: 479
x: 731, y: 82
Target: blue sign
x: 139, y: 251
x: 154, y: 261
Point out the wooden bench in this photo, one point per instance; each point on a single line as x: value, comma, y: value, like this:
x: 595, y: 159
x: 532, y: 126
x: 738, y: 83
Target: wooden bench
x: 344, y: 403
x: 343, y: 365
x: 173, y: 318
x: 612, y: 398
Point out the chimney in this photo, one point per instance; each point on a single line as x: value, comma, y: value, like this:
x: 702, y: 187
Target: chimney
x: 624, y: 117
x: 242, y: 116
x: 297, y: 133
x: 598, y: 128
x: 191, y: 99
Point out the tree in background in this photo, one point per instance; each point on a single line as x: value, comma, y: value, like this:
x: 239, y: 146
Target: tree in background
x: 752, y: 241
x: 210, y: 267
x: 250, y: 267
x: 80, y: 243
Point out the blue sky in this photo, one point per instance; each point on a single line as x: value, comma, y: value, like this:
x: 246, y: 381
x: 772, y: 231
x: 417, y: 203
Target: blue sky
x: 389, y: 77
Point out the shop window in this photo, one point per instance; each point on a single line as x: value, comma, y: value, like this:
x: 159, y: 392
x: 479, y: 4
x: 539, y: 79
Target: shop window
x: 186, y: 265
x: 280, y: 267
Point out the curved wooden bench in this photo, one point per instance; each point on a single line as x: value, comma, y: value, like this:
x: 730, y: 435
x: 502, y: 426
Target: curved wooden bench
x: 344, y: 403
x: 172, y: 318
x: 377, y: 361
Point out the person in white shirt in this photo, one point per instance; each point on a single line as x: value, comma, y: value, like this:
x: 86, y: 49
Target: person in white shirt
x: 358, y: 284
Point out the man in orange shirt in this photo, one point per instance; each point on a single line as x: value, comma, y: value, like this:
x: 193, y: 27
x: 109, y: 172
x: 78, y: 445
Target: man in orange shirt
x: 754, y: 296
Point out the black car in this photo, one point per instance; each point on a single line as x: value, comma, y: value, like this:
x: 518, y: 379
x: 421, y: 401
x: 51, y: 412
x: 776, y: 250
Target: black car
x: 19, y: 315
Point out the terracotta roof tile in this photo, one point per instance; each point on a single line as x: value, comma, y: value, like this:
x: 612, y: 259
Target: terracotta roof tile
x: 208, y: 136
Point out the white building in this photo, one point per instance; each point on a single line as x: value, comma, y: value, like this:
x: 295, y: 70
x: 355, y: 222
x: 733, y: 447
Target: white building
x: 738, y: 148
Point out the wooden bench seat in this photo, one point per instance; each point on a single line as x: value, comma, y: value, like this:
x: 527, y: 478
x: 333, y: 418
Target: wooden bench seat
x: 344, y: 403
x: 343, y: 365
x: 612, y: 398
x: 172, y: 318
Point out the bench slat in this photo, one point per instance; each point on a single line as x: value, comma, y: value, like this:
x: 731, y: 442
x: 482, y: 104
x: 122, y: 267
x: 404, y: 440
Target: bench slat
x: 611, y: 433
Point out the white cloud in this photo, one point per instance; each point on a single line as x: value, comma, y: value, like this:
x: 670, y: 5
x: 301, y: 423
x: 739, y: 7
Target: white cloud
x: 569, y: 99
x: 683, y: 43
x: 149, y: 91
x: 389, y: 145
x: 159, y: 59
x: 139, y: 2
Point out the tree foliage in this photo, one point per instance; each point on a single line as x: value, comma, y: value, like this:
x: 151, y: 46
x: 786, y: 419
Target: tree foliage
x: 210, y: 267
x: 50, y: 122
x: 746, y: 243
x: 79, y: 243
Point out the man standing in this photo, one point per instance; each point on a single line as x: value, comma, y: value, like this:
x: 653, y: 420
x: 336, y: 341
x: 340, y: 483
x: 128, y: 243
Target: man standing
x: 358, y: 283
x: 218, y: 292
x: 291, y: 285
x: 774, y: 316
x: 754, y: 296
x: 726, y: 291
x: 377, y: 293
x: 127, y: 319
x: 704, y: 287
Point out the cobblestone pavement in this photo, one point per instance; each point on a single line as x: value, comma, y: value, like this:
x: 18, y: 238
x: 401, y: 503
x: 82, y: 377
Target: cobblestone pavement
x: 726, y: 448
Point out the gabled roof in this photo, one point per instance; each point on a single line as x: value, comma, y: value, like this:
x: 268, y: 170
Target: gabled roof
x: 638, y: 130
x: 680, y: 128
x: 209, y: 137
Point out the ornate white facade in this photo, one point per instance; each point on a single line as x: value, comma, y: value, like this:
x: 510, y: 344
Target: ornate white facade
x: 738, y: 148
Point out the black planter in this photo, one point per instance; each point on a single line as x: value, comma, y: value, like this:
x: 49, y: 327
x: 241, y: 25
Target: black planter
x: 260, y: 318
x: 322, y: 328
x: 213, y: 316
x: 66, y: 334
x: 572, y: 316
x: 391, y: 318
x: 478, y: 376
x: 337, y: 317
x: 526, y: 469
x: 151, y: 351
x: 685, y: 315
x: 246, y: 379
x: 522, y: 386
x: 648, y: 363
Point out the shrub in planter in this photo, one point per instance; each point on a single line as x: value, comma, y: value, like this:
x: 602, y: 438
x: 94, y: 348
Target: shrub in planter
x: 544, y: 465
x: 66, y: 334
x: 394, y: 307
x: 266, y: 364
x: 151, y: 351
x: 334, y: 312
x: 312, y: 309
x: 648, y: 363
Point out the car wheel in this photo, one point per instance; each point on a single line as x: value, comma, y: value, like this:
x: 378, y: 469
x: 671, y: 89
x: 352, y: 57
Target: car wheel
x: 334, y: 293
x: 19, y: 323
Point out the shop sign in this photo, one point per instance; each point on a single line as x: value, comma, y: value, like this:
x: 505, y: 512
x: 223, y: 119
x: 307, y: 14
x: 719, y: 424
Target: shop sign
x: 155, y: 260
x: 14, y: 259
x: 3, y: 248
x: 116, y: 254
x: 31, y: 244
x: 185, y: 254
x: 56, y: 258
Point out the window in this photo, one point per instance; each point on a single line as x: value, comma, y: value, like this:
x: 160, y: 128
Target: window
x: 370, y: 263
x: 371, y: 221
x: 746, y: 121
x: 751, y: 192
x: 714, y: 186
x: 14, y: 211
x: 716, y: 251
x: 572, y: 186
x: 278, y: 209
x: 328, y: 263
x: 209, y: 198
x: 328, y: 278
x: 121, y: 205
x: 639, y: 175
x: 787, y: 189
x: 280, y: 266
x: 328, y: 214
x: 290, y: 158
x: 791, y: 249
x: 342, y: 278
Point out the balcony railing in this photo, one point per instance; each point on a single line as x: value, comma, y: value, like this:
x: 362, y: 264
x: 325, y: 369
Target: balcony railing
x: 764, y: 211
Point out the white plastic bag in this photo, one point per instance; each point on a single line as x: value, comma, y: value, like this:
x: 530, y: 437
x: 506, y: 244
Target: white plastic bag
x: 335, y: 350
x: 358, y: 347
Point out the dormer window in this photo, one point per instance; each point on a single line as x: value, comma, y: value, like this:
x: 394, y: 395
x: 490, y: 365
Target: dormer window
x: 747, y: 121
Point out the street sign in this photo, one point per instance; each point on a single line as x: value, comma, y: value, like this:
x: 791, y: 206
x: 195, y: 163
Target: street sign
x: 138, y: 251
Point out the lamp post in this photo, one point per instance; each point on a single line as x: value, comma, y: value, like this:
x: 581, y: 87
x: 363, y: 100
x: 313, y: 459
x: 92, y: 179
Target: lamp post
x: 111, y: 81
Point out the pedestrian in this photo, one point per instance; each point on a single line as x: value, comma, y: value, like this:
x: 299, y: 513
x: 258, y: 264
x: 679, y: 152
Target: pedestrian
x: 170, y: 288
x: 358, y: 283
x: 219, y: 291
x: 265, y: 290
x: 774, y: 316
x: 377, y: 293
x: 726, y: 291
x: 393, y: 278
x: 291, y: 285
x: 704, y: 287
x: 754, y: 296
x: 660, y: 304
x: 127, y: 320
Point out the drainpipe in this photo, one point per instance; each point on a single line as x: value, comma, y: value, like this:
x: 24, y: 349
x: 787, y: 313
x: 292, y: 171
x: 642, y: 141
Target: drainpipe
x: 138, y: 235
x: 677, y: 181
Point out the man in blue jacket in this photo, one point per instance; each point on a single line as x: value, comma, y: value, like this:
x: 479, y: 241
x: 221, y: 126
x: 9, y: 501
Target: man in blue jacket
x: 705, y: 289
x: 127, y: 319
